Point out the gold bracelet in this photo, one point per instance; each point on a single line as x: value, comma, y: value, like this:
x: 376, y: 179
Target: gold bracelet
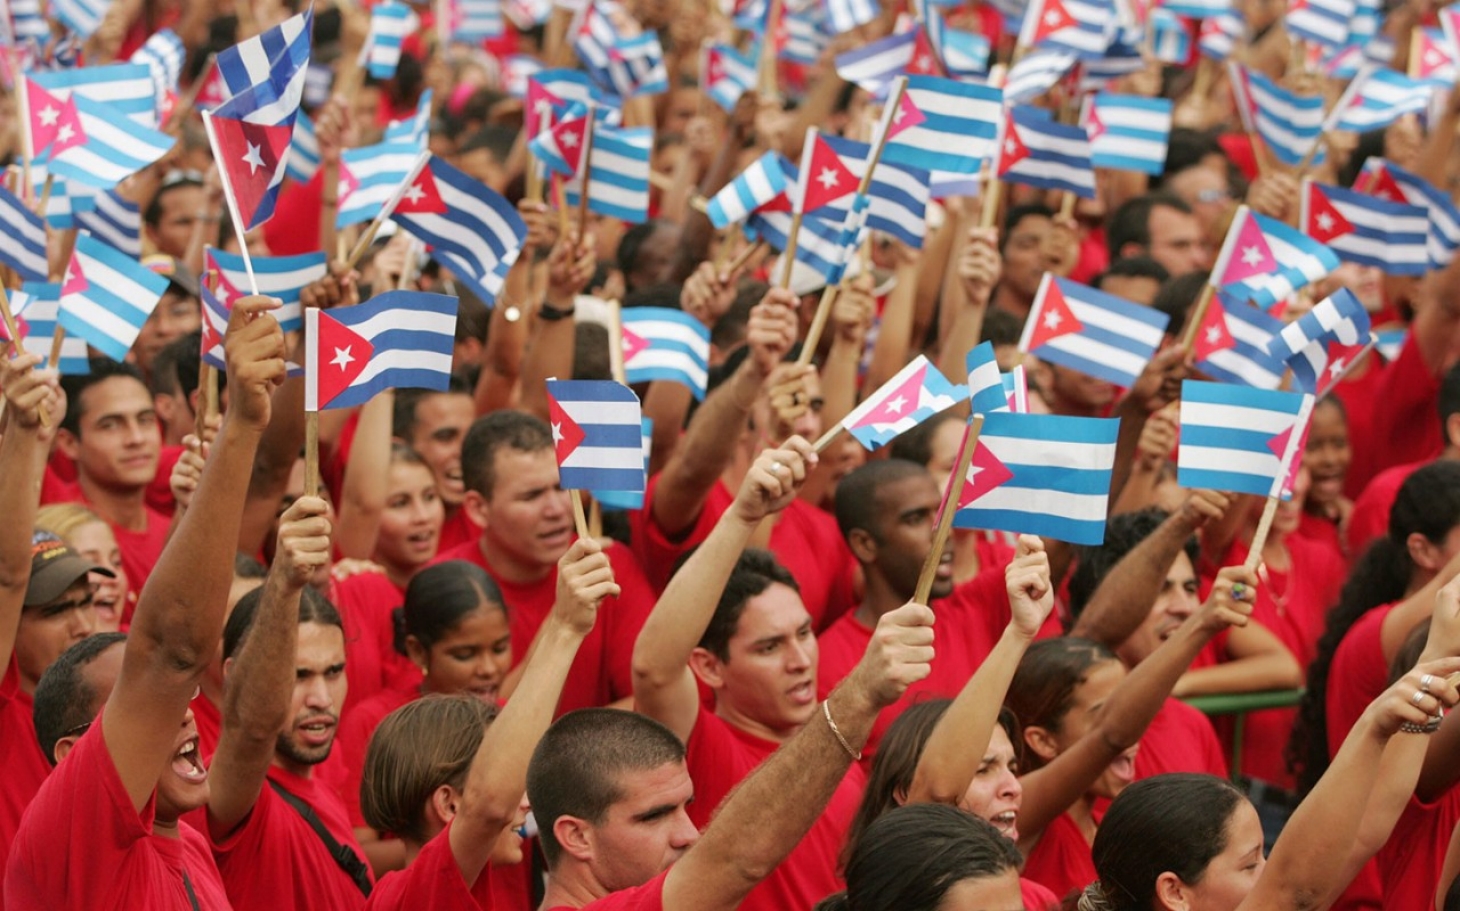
x: 837, y: 732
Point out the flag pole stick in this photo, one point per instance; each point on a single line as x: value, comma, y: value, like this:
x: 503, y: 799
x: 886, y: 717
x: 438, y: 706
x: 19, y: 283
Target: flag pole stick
x: 45, y: 200
x: 1198, y: 316
x: 408, y: 268
x: 228, y: 197
x: 1269, y: 509
x: 22, y: 103
x: 950, y: 505
x: 616, y: 344
x: 386, y: 211
x: 818, y: 324
x: 580, y: 521
x: 595, y: 519
x: 826, y: 439
x: 329, y: 209
x: 790, y: 252
x: 744, y: 256
x: 560, y: 199
x: 1259, y: 538
x: 207, y: 381
x: 586, y: 168
x: 184, y: 106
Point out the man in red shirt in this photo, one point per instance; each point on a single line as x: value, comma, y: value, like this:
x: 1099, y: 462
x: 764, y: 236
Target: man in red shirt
x: 103, y: 832
x: 756, y: 649
x: 434, y: 425
x: 736, y: 421
x: 282, y: 838
x: 112, y: 434
x: 512, y: 492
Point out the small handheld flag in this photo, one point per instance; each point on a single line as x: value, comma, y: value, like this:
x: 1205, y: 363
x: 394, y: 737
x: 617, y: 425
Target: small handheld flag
x: 1235, y: 438
x: 1036, y: 150
x: 1264, y: 260
x: 756, y: 187
x: 596, y: 434
x: 1091, y: 331
x: 1325, y: 341
x: 943, y: 125
x: 986, y: 389
x: 281, y: 277
x: 1231, y: 345
x: 36, y: 307
x: 394, y: 340
x: 107, y: 296
x: 916, y: 393
x: 1128, y: 132
x: 1392, y: 236
x: 23, y: 243
x: 664, y: 344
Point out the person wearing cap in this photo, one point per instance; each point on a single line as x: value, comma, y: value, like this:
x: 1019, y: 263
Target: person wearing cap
x: 103, y: 830
x: 178, y: 313
x: 45, y: 599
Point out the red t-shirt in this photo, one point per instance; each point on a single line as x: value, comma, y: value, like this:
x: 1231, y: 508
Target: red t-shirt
x: 719, y: 756
x: 1037, y: 897
x: 1357, y: 675
x: 21, y: 758
x: 275, y: 860
x: 367, y: 603
x: 352, y: 742
x: 140, y: 550
x: 458, y: 529
x: 159, y: 492
x: 806, y: 541
x: 602, y: 671
x: 433, y: 880
x: 1370, y: 518
x: 84, y: 846
x: 1321, y: 532
x: 1402, y: 426
x: 1180, y: 739
x: 970, y: 622
x: 648, y: 897
x: 1061, y: 860
x: 1410, y: 861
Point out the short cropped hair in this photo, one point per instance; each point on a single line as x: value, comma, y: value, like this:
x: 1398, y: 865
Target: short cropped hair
x: 515, y: 430
x: 64, y: 698
x: 755, y: 571
x: 857, y: 504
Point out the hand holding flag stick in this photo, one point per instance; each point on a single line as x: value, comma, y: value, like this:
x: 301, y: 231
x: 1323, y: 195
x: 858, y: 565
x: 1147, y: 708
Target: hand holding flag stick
x: 12, y: 332
x: 951, y: 497
x: 597, y: 439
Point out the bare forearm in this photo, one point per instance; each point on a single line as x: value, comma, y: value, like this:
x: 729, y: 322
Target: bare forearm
x: 1140, y: 695
x: 665, y: 404
x: 705, y: 450
x: 839, y: 379
x: 894, y: 334
x: 1127, y: 444
x: 367, y: 475
x: 549, y: 354
x: 502, y: 356
x: 1245, y: 675
x: 22, y: 464
x: 1123, y: 599
x: 256, y: 700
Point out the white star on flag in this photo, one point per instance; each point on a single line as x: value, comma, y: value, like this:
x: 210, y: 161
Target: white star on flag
x: 1325, y: 221
x: 569, y: 140
x: 253, y: 159
x: 828, y: 178
x: 896, y: 405
x: 1251, y: 256
x: 415, y: 193
x: 49, y: 116
x: 557, y: 434
x: 1335, y: 368
x: 1214, y: 335
x: 1051, y: 18
x: 65, y: 132
x: 343, y: 358
x: 1011, y: 147
x: 1052, y: 320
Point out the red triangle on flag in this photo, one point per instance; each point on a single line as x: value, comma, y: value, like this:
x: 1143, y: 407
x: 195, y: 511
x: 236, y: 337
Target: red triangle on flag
x: 75, y: 281
x: 570, y: 136
x: 1213, y: 335
x: 567, y: 435
x: 714, y: 65
x: 342, y: 356
x: 1341, y: 358
x: 1278, y: 445
x: 348, y: 184
x: 422, y: 197
x: 899, y: 403
x: 1093, y: 124
x: 1055, y: 318
x: 211, y: 338
x: 1012, y: 149
x: 250, y: 154
x: 1053, y: 18
x: 1325, y: 222
x: 985, y: 472
x: 1432, y: 56
x: 924, y: 60
x: 905, y: 117
x: 539, y: 110
x: 54, y: 123
x: 633, y: 343
x: 1380, y: 184
x: 827, y: 179
x: 1250, y: 254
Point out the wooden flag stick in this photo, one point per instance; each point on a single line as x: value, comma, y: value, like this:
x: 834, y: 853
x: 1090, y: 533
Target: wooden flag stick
x: 329, y: 210
x: 595, y: 519
x: 311, y: 453
x: 826, y: 439
x: 789, y: 254
x: 745, y: 256
x: 1259, y: 538
x: 586, y: 169
x: 45, y: 200
x: 368, y: 238
x: 22, y: 104
x: 949, y: 507
x: 580, y: 521
x: 1285, y: 469
x: 560, y: 199
x: 616, y: 344
x: 818, y: 324
x: 1198, y: 316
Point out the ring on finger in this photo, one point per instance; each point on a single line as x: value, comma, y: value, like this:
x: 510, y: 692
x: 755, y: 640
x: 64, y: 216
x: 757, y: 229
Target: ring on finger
x: 1418, y: 697
x: 1425, y: 682
x: 777, y: 468
x: 1238, y: 590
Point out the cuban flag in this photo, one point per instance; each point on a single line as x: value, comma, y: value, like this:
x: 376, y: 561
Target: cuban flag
x: 597, y: 435
x: 1221, y: 35
x: 66, y: 201
x: 661, y: 343
x: 960, y: 53
x: 551, y: 94
x: 473, y: 21
x: 621, y: 500
x: 1392, y: 236
x: 215, y: 327
x: 107, y: 296
x: 390, y: 23
x: 370, y: 177
x: 1376, y: 98
x: 277, y: 57
x: 802, y: 34
x: 845, y: 15
x: 55, y: 126
x: 1199, y: 9
x: 1231, y: 345
x: 82, y: 17
x: 1265, y: 261
x: 113, y: 147
x: 876, y: 63
x: 898, y: 194
x: 1096, y: 333
x: 560, y: 147
x: 470, y: 229
x: 1170, y: 37
x: 1040, y: 474
x: 823, y: 245
x: 1036, y: 150
x: 1323, y: 21
x: 1436, y: 57
x: 26, y: 21
x: 729, y: 74
x: 626, y: 66
x: 1128, y: 132
x: 1324, y: 342
x: 1121, y: 60
x: 394, y: 340
x: 943, y: 125
x: 1387, y: 181
x: 252, y: 153
x: 1037, y: 73
x: 916, y: 393
x: 758, y: 186
x: 283, y: 277
x: 124, y: 89
x: 114, y: 221
x: 1289, y: 123
x: 23, y: 242
x: 36, y: 307
x: 618, y: 174
x: 1239, y: 439
x: 986, y: 390
x: 303, y: 159
x: 163, y: 55
x: 1083, y: 28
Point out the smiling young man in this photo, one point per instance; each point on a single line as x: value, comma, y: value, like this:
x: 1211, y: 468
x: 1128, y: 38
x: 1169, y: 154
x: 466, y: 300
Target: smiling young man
x: 512, y: 492
x: 103, y: 832
x: 434, y: 424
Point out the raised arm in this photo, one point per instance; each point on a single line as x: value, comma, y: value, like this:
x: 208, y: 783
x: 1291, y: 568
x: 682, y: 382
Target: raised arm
x: 1050, y: 790
x: 961, y: 738
x: 771, y: 811
x: 664, y: 685
x: 1302, y: 873
x: 367, y: 479
x: 709, y: 442
x: 498, y: 775
x: 260, y: 677
x: 23, y: 452
x: 179, y: 616
x: 550, y: 342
